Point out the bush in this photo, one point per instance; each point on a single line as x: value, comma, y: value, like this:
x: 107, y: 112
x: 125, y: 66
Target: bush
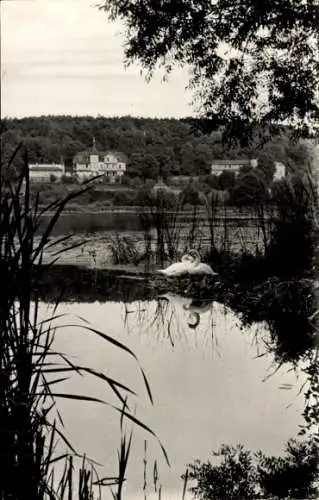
x: 70, y: 179
x: 190, y: 195
x: 250, y: 189
x: 244, y: 475
x: 293, y: 239
x: 123, y: 198
x: 123, y: 250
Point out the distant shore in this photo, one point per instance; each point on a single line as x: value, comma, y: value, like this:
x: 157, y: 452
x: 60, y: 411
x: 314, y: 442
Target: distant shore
x: 229, y: 213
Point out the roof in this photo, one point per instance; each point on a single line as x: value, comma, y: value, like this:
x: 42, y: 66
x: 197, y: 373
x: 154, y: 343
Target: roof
x: 55, y: 167
x: 231, y: 162
x: 83, y: 156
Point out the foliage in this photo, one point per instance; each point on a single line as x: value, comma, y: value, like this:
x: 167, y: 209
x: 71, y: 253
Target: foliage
x: 252, y: 62
x: 190, y: 195
x: 154, y: 147
x: 226, y: 180
x: 242, y: 474
x: 250, y: 189
x: 285, y: 306
x: 292, y: 476
x: 233, y: 479
x: 294, y: 232
x: 123, y: 249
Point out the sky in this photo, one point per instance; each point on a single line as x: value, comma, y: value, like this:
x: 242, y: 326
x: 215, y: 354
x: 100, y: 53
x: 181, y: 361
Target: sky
x: 65, y: 57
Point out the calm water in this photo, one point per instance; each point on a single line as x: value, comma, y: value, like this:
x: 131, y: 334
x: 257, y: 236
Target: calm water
x: 210, y: 386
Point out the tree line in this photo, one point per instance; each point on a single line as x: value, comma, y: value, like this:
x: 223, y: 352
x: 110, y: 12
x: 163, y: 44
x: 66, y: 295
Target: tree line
x: 154, y: 147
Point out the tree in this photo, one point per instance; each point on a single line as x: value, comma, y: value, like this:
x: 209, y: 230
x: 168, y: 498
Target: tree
x: 233, y: 479
x: 251, y: 189
x: 244, y: 475
x: 144, y: 165
x: 190, y: 195
x: 292, y: 476
x: 267, y: 165
x: 226, y: 180
x: 212, y: 181
x: 165, y: 161
x: 252, y: 62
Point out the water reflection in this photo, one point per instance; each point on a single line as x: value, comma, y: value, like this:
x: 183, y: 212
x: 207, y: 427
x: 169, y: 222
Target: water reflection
x: 174, y: 318
x: 286, y: 307
x: 200, y: 399
x: 216, y: 360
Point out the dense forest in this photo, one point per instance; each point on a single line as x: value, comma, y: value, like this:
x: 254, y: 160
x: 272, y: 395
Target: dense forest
x: 153, y: 146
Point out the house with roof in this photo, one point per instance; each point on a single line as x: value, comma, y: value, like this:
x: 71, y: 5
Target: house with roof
x: 219, y: 166
x: 91, y: 163
x: 45, y: 172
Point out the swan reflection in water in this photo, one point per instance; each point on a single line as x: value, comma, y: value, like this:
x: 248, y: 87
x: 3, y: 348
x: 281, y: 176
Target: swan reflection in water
x: 194, y: 308
x: 172, y: 317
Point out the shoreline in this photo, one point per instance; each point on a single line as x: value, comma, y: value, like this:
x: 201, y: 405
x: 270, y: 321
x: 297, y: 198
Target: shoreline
x: 233, y: 214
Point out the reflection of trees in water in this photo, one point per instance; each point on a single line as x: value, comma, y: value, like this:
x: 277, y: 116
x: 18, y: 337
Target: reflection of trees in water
x: 176, y: 319
x: 285, y: 311
x: 289, y: 309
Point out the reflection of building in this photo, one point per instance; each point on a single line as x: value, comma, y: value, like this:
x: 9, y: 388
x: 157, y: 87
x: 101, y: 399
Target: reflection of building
x: 280, y: 171
x: 219, y: 166
x: 91, y: 163
x: 42, y: 172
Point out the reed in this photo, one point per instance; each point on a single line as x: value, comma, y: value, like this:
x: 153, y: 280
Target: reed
x: 123, y: 457
x: 123, y: 249
x: 31, y: 370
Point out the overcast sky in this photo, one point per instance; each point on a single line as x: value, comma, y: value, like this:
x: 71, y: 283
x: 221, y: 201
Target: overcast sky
x: 65, y: 57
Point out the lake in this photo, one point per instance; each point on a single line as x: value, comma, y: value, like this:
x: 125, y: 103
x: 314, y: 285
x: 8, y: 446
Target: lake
x: 124, y: 219
x: 213, y: 381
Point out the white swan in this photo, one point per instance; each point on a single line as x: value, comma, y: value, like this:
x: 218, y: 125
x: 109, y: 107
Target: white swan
x: 190, y: 264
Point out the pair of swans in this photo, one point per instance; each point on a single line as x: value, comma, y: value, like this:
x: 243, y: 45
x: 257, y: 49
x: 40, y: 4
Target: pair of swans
x: 190, y: 264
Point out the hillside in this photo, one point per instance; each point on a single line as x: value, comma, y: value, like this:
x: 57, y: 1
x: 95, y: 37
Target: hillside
x: 153, y: 146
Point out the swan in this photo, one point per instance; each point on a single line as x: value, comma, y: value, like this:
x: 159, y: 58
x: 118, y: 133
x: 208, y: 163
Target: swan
x: 190, y: 264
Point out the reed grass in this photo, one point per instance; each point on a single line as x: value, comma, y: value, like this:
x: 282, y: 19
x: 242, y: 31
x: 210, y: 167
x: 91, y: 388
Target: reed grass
x: 167, y: 236
x: 285, y: 233
x: 31, y: 371
x: 123, y: 249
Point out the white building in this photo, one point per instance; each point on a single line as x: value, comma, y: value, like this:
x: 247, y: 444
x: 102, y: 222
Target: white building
x: 280, y: 171
x: 45, y: 172
x: 219, y: 166
x: 91, y: 163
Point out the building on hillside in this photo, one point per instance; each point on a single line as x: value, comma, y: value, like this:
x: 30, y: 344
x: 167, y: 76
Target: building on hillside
x: 90, y: 163
x: 280, y: 171
x: 45, y: 172
x: 219, y: 166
